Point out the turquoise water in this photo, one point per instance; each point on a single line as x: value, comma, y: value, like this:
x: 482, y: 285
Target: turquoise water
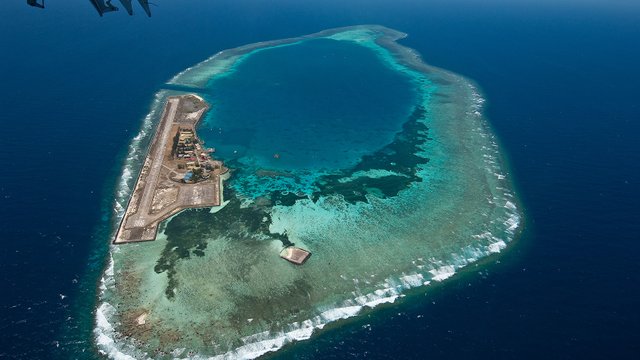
x: 307, y: 109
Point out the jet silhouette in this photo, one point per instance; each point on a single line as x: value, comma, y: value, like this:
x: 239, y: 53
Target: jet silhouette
x: 144, y: 3
x: 35, y: 3
x: 104, y: 6
x: 145, y: 6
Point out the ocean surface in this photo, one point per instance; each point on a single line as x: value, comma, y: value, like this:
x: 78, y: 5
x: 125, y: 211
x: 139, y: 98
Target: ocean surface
x: 561, y: 89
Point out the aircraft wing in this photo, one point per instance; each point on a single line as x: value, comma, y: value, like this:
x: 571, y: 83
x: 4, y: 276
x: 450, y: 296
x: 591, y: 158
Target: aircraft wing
x: 127, y: 6
x: 145, y: 6
x: 102, y: 7
x: 35, y: 3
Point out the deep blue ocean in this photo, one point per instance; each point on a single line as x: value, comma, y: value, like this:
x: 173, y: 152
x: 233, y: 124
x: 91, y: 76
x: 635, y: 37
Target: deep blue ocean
x: 561, y: 83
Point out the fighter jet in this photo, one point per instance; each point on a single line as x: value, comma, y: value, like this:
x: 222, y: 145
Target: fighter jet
x: 145, y: 6
x: 144, y: 3
x: 35, y: 3
x: 127, y: 6
x: 103, y: 6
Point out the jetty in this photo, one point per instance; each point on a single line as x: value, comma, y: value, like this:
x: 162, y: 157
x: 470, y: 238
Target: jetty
x: 178, y: 172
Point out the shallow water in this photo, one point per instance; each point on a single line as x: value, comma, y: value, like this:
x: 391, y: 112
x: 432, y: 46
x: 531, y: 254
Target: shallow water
x: 426, y: 195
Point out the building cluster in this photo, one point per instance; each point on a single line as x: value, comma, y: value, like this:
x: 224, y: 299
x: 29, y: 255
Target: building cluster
x: 186, y: 145
x: 193, y: 158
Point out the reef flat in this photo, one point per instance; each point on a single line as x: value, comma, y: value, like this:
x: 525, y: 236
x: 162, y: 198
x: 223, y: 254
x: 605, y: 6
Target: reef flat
x: 423, y: 193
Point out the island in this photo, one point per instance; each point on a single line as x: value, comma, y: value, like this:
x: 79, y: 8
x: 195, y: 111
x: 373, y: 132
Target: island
x: 178, y: 172
x: 343, y: 144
